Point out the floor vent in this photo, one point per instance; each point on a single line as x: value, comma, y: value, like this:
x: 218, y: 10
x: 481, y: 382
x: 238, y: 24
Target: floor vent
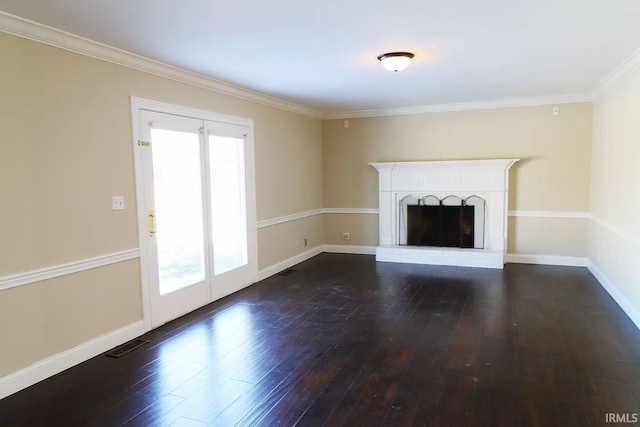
x: 126, y: 348
x: 287, y: 272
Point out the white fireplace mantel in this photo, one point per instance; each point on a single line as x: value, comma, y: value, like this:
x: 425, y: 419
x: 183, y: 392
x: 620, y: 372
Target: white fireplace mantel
x: 487, y: 179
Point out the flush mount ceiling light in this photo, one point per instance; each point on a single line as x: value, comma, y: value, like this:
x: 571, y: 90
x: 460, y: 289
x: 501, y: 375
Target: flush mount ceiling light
x: 395, y: 61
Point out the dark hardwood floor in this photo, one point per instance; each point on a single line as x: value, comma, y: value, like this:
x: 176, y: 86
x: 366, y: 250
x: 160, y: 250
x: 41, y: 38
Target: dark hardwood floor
x: 348, y: 341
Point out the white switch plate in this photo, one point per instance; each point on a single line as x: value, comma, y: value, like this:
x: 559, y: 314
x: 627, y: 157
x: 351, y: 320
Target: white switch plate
x: 117, y: 203
x: 556, y: 111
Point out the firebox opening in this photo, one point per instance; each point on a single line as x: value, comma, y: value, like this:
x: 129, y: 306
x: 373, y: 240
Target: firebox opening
x: 450, y: 222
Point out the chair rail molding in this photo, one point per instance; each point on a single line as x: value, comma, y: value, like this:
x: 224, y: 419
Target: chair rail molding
x: 59, y: 270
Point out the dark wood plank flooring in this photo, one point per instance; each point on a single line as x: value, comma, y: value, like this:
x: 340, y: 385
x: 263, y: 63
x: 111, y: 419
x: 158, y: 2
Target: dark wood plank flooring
x: 348, y: 341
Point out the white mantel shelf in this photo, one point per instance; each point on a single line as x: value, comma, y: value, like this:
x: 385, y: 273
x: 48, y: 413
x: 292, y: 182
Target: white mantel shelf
x: 487, y: 179
x: 447, y: 163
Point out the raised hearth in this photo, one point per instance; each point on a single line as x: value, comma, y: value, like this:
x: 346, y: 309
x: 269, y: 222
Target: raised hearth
x: 486, y: 180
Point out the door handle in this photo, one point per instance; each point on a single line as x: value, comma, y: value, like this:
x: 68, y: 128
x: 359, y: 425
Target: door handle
x: 151, y: 218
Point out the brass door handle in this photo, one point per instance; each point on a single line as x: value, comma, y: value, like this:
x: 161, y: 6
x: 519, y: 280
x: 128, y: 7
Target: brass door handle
x: 151, y: 218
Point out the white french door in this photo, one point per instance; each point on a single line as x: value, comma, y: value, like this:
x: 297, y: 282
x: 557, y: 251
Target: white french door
x: 197, y: 213
x: 227, y: 200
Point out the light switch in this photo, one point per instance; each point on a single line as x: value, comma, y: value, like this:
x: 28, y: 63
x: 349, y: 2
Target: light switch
x: 117, y: 203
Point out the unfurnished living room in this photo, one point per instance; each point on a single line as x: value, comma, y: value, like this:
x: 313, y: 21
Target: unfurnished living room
x: 356, y: 213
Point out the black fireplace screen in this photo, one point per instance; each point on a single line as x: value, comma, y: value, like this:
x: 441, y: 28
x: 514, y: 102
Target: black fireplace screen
x: 448, y: 222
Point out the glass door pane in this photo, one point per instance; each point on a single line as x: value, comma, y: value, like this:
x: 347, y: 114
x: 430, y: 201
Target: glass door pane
x: 178, y: 209
x: 228, y: 203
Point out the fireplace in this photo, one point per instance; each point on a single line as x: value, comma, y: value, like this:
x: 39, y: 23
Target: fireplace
x: 450, y: 222
x: 444, y: 212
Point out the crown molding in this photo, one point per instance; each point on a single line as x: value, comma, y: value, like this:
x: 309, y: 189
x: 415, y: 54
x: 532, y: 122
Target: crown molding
x: 35, y: 31
x: 617, y: 75
x: 463, y: 106
x: 609, y: 82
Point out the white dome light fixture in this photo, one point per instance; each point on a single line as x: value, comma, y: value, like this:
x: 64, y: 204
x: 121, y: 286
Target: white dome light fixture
x: 396, y: 61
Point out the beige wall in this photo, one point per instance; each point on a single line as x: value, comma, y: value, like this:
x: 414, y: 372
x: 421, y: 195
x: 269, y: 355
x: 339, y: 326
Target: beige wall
x: 539, y: 236
x: 614, y: 235
x: 65, y: 149
x: 52, y: 316
x: 274, y: 247
x: 363, y: 229
x: 553, y: 174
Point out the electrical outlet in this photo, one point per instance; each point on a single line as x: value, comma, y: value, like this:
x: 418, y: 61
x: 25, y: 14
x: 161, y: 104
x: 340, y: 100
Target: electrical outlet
x: 346, y: 236
x: 297, y: 245
x: 117, y: 203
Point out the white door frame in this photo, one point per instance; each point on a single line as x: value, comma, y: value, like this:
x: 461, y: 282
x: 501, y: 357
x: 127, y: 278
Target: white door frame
x: 138, y: 104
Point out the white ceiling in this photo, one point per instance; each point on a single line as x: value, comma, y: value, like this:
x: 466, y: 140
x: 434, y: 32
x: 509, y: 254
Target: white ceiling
x: 322, y: 54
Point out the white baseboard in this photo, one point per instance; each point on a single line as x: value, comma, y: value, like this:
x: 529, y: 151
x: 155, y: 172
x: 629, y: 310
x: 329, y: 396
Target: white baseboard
x: 350, y: 249
x: 568, y: 261
x: 620, y: 299
x: 57, y: 363
x: 290, y: 262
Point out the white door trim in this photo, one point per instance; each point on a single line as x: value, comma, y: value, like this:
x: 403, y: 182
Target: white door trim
x: 138, y: 104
